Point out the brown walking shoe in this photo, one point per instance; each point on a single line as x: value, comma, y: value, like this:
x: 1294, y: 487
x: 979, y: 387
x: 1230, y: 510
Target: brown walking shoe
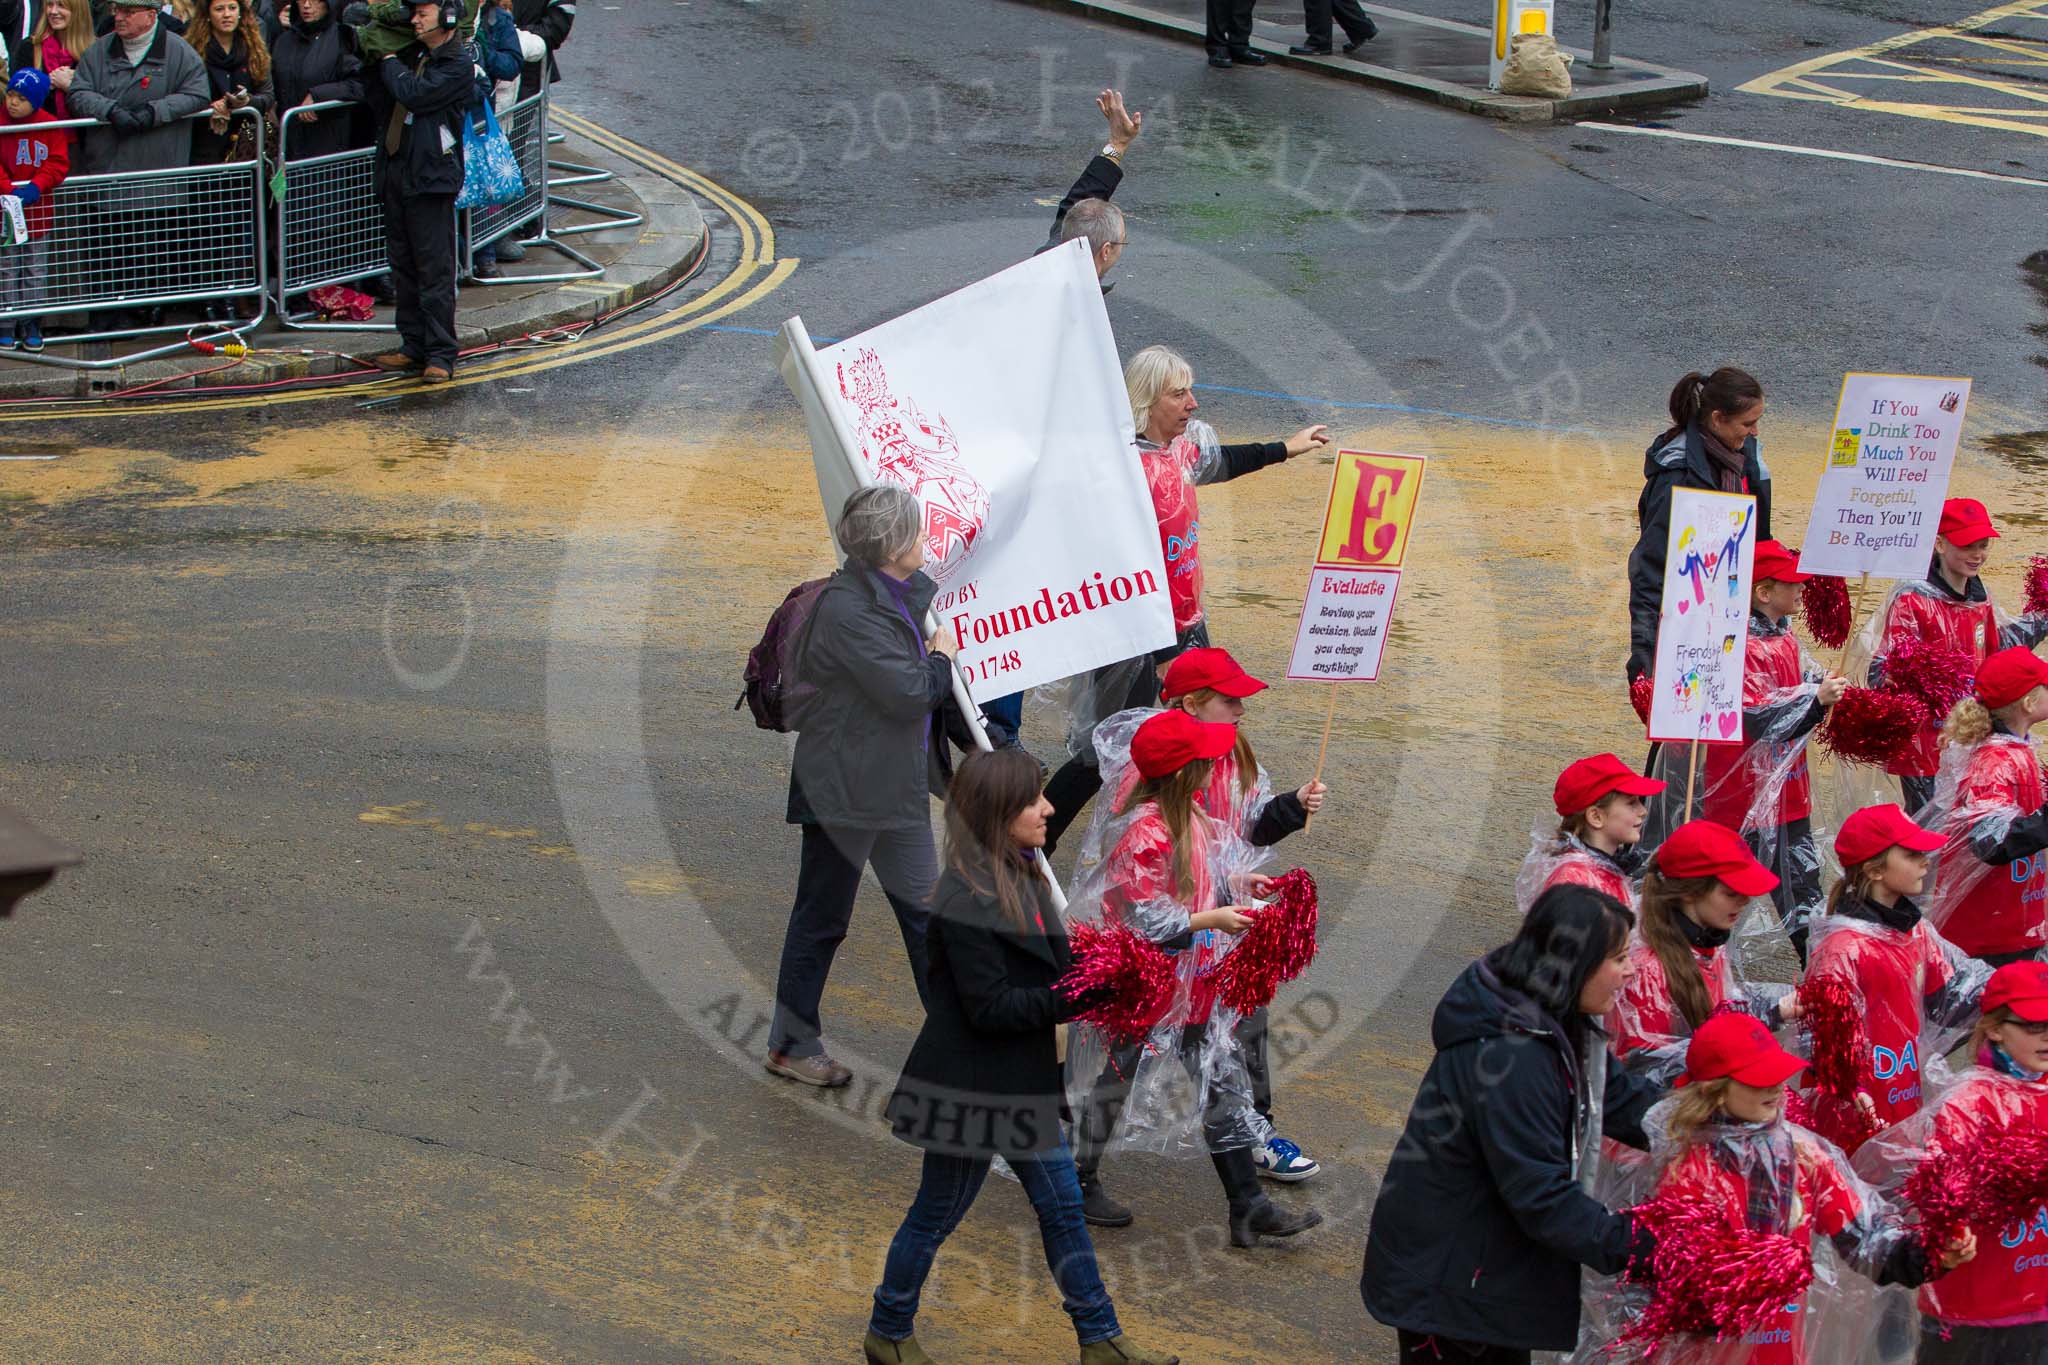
x: 396, y: 361
x: 437, y: 374
x: 882, y: 1351
x: 818, y: 1070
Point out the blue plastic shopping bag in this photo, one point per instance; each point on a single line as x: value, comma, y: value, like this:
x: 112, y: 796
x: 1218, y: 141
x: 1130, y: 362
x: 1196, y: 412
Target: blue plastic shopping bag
x: 490, y: 172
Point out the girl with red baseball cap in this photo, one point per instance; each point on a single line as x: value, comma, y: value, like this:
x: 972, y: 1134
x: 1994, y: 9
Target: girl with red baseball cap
x: 1951, y: 608
x: 1991, y: 897
x: 1211, y: 686
x: 1722, y: 1139
x: 1601, y: 809
x: 1995, y: 1309
x: 1700, y: 881
x: 1913, y: 988
x: 1760, y: 787
x: 1159, y: 866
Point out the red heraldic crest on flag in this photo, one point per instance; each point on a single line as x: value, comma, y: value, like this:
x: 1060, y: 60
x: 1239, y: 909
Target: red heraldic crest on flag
x: 905, y: 446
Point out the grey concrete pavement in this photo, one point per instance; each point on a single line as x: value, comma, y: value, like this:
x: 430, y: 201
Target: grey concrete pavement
x: 1440, y: 60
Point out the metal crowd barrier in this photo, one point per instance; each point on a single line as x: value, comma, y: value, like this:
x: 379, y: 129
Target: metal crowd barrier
x: 330, y: 225
x: 135, y: 240
x: 127, y: 241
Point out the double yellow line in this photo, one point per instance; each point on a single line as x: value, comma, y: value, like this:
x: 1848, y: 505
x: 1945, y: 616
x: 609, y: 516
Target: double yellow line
x: 756, y: 274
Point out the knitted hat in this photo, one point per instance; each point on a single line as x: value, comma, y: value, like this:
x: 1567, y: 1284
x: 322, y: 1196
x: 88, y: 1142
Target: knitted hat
x: 32, y: 85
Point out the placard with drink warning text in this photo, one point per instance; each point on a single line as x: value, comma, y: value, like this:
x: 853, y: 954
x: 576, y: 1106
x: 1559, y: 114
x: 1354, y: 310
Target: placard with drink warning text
x: 1881, y: 490
x: 1349, y: 606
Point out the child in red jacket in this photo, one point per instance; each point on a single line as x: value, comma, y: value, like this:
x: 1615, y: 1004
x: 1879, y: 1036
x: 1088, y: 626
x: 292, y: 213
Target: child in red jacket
x: 1949, y: 608
x: 36, y: 162
x: 1601, y: 810
x: 1702, y: 878
x: 1995, y: 1309
x: 1914, y: 990
x: 1760, y: 788
x: 1991, y: 895
x: 1724, y: 1140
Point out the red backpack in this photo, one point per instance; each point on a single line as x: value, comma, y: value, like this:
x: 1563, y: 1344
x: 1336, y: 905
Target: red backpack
x: 773, y: 693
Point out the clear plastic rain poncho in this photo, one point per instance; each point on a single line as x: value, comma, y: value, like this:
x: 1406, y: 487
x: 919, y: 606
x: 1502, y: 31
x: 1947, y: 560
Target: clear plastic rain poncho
x: 2007, y: 1282
x: 1184, y: 1089
x: 1172, y: 473
x: 1558, y: 859
x: 1917, y: 996
x: 1759, y: 786
x: 1650, y: 1031
x: 1782, y: 1179
x: 1925, y: 610
x: 1991, y: 879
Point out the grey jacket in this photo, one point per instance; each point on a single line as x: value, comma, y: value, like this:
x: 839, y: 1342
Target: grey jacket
x: 170, y: 83
x: 869, y: 751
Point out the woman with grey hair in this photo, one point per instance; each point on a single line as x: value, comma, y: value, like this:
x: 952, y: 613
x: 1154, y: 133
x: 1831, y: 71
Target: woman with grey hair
x: 865, y: 683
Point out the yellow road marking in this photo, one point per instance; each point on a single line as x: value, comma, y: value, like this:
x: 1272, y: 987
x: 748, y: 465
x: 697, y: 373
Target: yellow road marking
x: 738, y: 290
x: 1860, y: 78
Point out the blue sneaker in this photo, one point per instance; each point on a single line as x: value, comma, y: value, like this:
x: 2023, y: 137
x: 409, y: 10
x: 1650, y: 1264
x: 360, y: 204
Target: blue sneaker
x: 1282, y: 1160
x: 10, y: 338
x: 31, y: 335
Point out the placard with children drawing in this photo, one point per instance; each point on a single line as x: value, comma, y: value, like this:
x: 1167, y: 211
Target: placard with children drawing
x: 1703, y: 632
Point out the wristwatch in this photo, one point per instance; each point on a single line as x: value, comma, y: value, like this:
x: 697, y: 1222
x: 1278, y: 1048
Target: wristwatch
x: 1112, y: 151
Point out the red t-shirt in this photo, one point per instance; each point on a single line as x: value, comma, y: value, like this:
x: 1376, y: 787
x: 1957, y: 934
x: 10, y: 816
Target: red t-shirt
x: 1645, y: 1015
x: 2002, y: 909
x: 2007, y: 1283
x: 1892, y: 975
x: 1170, y: 474
x: 1825, y: 1200
x: 1140, y: 871
x: 1736, y: 773
x: 1923, y: 613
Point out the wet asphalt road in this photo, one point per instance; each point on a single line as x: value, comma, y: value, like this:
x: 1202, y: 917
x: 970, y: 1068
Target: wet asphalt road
x: 407, y: 1007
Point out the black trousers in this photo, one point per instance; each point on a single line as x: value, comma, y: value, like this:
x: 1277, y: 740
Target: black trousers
x: 1417, y: 1349
x: 827, y: 883
x: 419, y: 232
x: 1251, y: 1032
x: 1104, y: 1106
x: 1916, y: 793
x: 1798, y: 896
x: 1230, y: 27
x: 1358, y: 25
x: 1075, y: 784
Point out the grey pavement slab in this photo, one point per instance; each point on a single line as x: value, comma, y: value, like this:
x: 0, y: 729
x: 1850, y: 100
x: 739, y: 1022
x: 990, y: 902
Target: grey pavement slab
x: 1420, y: 55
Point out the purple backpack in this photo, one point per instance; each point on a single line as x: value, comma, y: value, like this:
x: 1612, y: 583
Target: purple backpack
x: 773, y: 693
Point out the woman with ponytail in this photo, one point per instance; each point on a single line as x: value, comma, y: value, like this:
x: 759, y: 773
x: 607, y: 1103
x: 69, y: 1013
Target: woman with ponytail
x: 1702, y: 878
x: 1991, y: 895
x: 1710, y: 444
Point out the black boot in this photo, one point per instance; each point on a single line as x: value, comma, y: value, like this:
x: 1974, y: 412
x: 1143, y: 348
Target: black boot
x: 1099, y: 1209
x: 1267, y: 1219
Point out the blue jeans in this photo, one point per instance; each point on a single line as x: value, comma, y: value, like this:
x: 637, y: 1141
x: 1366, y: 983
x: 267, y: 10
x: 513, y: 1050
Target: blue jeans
x: 943, y: 1197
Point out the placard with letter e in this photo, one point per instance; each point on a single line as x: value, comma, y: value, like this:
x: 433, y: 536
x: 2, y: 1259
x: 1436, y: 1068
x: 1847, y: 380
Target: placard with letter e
x: 1349, y: 605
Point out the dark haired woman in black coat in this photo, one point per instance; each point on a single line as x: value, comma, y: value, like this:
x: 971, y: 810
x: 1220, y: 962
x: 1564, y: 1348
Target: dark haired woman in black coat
x: 1484, y: 1219
x: 983, y: 1079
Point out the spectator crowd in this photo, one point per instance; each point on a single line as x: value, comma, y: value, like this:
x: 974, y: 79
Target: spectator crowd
x: 188, y: 83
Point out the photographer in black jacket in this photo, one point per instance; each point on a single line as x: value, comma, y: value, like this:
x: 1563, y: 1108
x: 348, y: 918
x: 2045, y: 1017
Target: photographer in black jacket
x: 419, y: 166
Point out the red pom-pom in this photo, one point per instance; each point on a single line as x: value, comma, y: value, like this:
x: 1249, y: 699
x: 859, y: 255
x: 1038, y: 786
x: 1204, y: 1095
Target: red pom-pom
x: 1934, y: 675
x: 1872, y: 726
x: 1276, y: 949
x: 1639, y: 697
x: 1138, y: 979
x: 1711, y: 1274
x: 1824, y: 601
x: 1986, y: 1179
x: 2037, y: 585
x: 1841, y: 1062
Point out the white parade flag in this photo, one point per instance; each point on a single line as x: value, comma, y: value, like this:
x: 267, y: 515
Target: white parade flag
x: 1880, y: 494
x: 1703, y: 631
x: 1002, y: 406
